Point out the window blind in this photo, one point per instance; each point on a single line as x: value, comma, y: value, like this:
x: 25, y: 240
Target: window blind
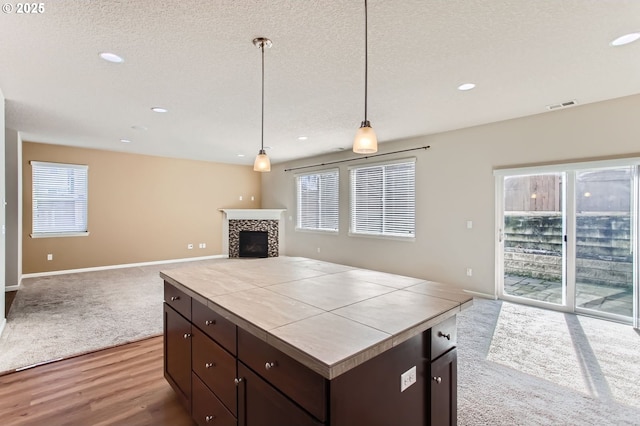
x: 383, y: 199
x: 318, y: 205
x: 59, y: 198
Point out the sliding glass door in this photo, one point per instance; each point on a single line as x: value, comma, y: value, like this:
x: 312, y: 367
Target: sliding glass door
x: 532, y: 234
x: 567, y: 239
x: 604, y: 242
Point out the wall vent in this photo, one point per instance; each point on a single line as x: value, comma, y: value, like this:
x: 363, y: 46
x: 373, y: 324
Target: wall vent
x: 562, y: 105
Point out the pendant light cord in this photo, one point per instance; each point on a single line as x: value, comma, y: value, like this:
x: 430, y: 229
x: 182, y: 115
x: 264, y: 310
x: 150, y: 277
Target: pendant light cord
x: 366, y: 61
x: 262, y: 125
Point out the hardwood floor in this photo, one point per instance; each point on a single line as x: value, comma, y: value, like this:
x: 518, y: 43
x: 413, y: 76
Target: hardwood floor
x: 116, y: 386
x: 9, y: 296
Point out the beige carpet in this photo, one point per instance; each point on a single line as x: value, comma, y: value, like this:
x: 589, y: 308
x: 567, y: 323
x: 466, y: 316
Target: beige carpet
x: 520, y: 365
x: 63, y: 315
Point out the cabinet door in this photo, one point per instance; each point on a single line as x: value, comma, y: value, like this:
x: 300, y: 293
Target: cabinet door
x: 444, y: 390
x: 260, y: 404
x: 177, y: 354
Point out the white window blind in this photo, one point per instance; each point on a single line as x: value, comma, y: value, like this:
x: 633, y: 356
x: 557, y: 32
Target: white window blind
x: 383, y: 199
x: 59, y: 199
x: 318, y: 195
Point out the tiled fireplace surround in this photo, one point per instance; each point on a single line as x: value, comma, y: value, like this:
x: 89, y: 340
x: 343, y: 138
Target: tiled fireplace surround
x: 236, y: 220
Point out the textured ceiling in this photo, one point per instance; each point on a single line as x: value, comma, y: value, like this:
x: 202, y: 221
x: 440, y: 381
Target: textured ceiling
x: 196, y: 59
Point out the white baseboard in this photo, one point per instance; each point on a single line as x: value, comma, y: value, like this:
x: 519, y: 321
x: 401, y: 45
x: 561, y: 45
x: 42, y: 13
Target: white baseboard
x: 126, y: 265
x: 483, y: 295
x: 12, y: 288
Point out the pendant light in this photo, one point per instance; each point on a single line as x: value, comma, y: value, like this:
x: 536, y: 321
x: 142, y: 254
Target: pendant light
x: 365, y: 141
x: 262, y: 163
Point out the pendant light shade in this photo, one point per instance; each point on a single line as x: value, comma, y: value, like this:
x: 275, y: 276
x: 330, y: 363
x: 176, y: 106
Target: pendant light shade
x: 366, y: 141
x: 262, y: 163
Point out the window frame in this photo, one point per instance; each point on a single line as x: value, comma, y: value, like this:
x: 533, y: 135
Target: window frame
x: 298, y: 226
x: 352, y: 218
x: 35, y: 199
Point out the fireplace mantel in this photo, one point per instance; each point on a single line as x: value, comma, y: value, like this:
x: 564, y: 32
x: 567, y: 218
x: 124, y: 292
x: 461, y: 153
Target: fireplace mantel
x: 253, y: 214
x: 271, y: 220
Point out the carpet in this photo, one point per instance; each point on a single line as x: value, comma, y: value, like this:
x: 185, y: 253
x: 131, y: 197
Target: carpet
x: 520, y: 365
x: 59, y: 316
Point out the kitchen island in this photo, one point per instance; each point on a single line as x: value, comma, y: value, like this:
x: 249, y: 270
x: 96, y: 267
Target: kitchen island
x: 295, y: 341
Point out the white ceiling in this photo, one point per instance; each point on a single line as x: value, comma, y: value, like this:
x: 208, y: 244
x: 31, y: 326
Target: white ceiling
x: 196, y: 58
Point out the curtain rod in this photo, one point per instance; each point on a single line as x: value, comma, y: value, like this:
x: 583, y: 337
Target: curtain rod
x: 357, y: 158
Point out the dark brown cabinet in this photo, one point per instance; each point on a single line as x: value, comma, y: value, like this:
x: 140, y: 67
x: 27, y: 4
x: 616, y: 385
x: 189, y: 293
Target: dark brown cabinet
x: 215, y: 367
x: 224, y: 375
x: 207, y: 408
x: 444, y: 390
x: 259, y: 404
x: 177, y: 354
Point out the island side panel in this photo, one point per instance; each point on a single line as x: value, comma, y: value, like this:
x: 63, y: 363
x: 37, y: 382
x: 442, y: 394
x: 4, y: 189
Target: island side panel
x: 370, y: 394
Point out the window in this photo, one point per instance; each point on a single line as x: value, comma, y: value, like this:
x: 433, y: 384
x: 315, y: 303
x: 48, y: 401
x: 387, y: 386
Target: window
x: 383, y: 199
x: 318, y: 201
x: 59, y: 199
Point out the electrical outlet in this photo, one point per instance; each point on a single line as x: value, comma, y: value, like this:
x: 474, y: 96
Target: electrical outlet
x: 190, y: 246
x: 50, y: 256
x: 408, y: 378
x: 240, y: 198
x: 469, y: 272
x: 204, y: 245
x: 318, y: 249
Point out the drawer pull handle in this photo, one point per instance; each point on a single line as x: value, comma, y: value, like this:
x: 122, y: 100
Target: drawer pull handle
x: 237, y: 380
x: 446, y: 336
x: 270, y: 365
x: 209, y: 418
x: 210, y: 364
x: 437, y: 379
x: 207, y: 322
x: 174, y: 298
x: 186, y: 335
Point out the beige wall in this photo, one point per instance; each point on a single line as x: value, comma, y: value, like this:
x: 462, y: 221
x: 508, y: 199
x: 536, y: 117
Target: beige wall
x: 454, y: 184
x: 2, y: 215
x: 141, y: 208
x: 13, y: 207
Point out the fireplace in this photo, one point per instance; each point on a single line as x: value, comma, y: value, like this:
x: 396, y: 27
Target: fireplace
x: 253, y: 244
x: 268, y: 221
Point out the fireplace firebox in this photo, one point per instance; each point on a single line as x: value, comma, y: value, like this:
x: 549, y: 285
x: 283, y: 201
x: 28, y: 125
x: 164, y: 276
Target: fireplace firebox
x: 253, y: 244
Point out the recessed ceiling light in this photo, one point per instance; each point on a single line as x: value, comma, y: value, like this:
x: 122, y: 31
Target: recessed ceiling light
x: 159, y: 109
x: 139, y: 127
x: 625, y: 39
x: 111, y: 57
x: 302, y: 138
x: 240, y: 155
x: 466, y: 86
x: 125, y: 141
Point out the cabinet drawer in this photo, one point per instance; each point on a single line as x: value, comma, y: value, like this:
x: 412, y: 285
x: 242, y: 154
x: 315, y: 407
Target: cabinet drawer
x: 214, y: 325
x: 215, y: 367
x: 207, y: 409
x: 177, y: 300
x: 443, y: 337
x: 298, y: 382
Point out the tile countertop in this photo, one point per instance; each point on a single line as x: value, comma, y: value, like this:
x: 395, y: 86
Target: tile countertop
x: 328, y: 317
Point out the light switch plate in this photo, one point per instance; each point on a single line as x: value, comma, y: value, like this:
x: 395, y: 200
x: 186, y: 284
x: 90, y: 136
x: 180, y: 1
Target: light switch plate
x: 407, y: 378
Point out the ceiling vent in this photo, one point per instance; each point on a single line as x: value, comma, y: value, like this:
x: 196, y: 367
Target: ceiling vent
x: 562, y: 105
